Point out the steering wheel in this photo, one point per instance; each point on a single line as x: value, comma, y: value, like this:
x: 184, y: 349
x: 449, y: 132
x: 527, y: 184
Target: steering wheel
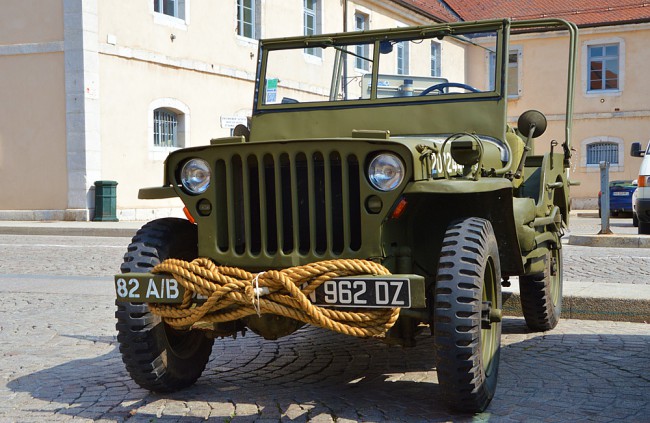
x: 440, y: 87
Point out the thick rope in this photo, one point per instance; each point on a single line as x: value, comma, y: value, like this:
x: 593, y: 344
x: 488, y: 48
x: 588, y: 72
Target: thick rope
x: 235, y: 293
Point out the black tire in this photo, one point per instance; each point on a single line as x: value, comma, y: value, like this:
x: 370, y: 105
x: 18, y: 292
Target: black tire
x: 644, y: 228
x: 541, y: 293
x: 468, y: 290
x: 635, y: 220
x: 157, y: 357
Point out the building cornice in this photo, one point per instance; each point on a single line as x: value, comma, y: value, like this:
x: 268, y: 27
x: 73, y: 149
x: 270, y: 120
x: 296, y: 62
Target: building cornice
x: 31, y: 48
x: 164, y: 60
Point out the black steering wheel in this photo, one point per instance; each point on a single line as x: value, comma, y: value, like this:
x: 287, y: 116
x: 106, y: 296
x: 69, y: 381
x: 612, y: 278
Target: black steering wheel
x: 440, y: 87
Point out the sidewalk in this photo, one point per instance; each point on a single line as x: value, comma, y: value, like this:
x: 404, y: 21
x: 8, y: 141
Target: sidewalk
x: 64, y: 228
x: 586, y: 233
x: 581, y: 300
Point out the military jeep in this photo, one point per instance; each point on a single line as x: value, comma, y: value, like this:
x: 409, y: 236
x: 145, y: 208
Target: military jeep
x: 354, y: 151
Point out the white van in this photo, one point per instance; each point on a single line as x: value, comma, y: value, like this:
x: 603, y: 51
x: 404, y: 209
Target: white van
x: 641, y: 205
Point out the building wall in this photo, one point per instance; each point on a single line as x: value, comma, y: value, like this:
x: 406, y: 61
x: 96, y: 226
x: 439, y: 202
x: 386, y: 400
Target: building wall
x: 32, y: 110
x: 198, y: 65
x: 93, y: 119
x: 622, y: 116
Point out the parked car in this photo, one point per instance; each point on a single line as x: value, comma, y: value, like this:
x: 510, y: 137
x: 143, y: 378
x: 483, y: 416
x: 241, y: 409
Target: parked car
x: 641, y: 213
x: 620, y: 197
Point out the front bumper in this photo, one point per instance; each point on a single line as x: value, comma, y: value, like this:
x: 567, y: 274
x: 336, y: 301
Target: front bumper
x: 165, y: 289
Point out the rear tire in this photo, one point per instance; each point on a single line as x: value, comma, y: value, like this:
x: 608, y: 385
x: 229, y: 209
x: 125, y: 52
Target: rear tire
x: 468, y: 289
x: 635, y: 220
x: 644, y: 228
x: 541, y: 293
x: 157, y: 357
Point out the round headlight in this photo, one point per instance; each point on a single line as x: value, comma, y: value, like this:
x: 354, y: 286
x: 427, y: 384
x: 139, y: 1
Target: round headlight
x: 195, y: 176
x: 386, y: 172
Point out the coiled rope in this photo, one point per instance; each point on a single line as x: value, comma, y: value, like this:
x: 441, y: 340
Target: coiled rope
x: 234, y: 293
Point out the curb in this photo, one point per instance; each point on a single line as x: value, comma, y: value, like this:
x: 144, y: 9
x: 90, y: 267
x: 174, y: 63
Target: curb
x: 70, y: 230
x: 587, y: 214
x: 610, y: 240
x: 593, y: 301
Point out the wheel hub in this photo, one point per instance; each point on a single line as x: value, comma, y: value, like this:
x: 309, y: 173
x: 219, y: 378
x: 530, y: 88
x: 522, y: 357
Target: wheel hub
x: 489, y: 315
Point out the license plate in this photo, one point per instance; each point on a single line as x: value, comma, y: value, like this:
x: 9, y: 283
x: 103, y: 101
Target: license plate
x: 146, y: 288
x: 366, y: 292
x: 621, y: 193
x: 363, y: 292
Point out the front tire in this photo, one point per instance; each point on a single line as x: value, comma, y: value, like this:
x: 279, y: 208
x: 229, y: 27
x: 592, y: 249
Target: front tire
x: 541, y: 293
x: 158, y: 357
x: 467, y: 321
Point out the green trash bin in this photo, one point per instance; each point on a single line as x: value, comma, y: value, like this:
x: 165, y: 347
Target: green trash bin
x: 105, y: 201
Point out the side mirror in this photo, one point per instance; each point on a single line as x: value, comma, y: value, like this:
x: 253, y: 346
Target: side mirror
x: 635, y: 150
x: 530, y: 118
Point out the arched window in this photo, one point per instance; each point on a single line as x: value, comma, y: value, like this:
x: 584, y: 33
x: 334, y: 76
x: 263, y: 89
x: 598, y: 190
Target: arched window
x: 169, y: 127
x: 165, y: 128
x: 602, y: 149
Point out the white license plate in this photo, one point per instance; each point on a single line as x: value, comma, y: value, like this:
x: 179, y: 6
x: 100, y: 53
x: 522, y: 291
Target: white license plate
x: 621, y: 193
x: 144, y: 288
x: 366, y: 292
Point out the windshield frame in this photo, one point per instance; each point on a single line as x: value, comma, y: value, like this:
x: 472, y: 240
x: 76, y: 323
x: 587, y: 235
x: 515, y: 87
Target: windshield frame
x: 374, y: 38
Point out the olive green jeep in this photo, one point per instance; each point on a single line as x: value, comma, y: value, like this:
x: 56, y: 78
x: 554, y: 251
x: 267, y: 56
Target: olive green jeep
x: 354, y: 151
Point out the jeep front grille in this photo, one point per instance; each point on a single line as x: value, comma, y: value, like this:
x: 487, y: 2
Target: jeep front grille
x: 287, y: 203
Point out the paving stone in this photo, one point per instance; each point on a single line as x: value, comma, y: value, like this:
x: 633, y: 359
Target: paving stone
x: 60, y: 358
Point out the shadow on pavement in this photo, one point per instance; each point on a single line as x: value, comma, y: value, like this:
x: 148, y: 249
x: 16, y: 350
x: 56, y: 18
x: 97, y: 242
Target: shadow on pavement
x: 315, y: 372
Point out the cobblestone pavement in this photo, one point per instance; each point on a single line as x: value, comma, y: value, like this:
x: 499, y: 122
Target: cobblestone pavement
x: 59, y: 359
x: 610, y: 265
x: 86, y: 256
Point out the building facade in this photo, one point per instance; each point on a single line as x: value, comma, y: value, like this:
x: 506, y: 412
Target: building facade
x: 610, y: 107
x: 104, y: 89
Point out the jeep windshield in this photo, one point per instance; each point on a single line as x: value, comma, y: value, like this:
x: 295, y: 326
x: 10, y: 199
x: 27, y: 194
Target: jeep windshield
x: 386, y: 66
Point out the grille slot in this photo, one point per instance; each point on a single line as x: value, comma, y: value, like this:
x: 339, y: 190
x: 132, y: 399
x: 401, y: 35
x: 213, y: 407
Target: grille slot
x: 304, y: 203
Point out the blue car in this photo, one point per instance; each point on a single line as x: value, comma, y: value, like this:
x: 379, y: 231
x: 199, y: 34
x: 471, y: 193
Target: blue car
x: 620, y: 197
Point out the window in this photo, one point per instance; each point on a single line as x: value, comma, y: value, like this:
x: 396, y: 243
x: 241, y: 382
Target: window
x: 248, y: 20
x: 513, y: 73
x: 312, y: 23
x: 403, y: 58
x: 165, y: 128
x: 514, y: 57
x: 435, y: 59
x: 602, y: 152
x: 174, y: 8
x: 603, y: 67
x: 363, y: 50
x: 168, y: 127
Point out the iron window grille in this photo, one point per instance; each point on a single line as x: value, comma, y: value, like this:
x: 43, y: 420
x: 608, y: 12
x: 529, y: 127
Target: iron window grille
x: 165, y: 128
x: 602, y: 152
